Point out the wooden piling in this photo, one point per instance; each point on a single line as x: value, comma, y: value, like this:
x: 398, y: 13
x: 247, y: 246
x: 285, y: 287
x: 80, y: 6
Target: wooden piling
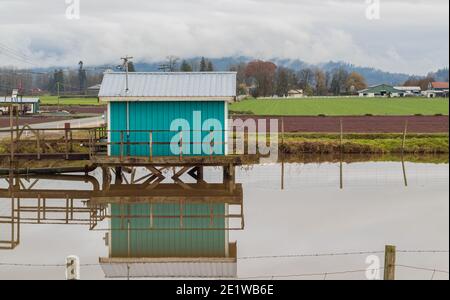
x: 66, y: 139
x: 389, y: 262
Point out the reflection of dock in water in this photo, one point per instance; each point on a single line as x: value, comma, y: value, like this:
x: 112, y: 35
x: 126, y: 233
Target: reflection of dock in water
x: 153, y: 228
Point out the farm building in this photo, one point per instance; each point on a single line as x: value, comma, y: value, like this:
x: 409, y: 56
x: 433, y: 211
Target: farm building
x: 295, y: 93
x: 381, y: 90
x: 165, y: 114
x: 410, y: 90
x: 26, y: 105
x: 93, y: 90
x: 437, y: 89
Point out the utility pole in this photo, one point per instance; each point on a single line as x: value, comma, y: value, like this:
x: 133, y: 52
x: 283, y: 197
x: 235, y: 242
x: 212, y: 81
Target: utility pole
x: 11, y: 121
x: 126, y: 60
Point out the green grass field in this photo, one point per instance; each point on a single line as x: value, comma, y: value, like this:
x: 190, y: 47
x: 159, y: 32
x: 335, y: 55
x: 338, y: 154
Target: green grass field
x: 342, y: 107
x: 53, y: 100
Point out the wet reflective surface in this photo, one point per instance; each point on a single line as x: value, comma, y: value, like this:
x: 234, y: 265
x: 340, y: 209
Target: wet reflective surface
x: 256, y: 224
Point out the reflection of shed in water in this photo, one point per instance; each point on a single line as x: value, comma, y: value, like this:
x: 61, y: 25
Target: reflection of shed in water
x: 167, y: 239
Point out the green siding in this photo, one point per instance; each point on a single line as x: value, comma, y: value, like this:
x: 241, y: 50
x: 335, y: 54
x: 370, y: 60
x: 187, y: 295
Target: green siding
x: 147, y: 242
x: 159, y: 116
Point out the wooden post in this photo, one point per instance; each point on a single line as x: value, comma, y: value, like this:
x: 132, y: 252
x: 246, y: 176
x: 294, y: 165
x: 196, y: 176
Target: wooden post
x: 389, y: 262
x: 72, y: 268
x: 405, y: 132
x: 121, y: 145
x: 66, y: 138
x: 38, y: 144
x: 342, y: 133
x: 282, y: 130
x: 181, y: 145
x: 90, y: 143
x: 210, y: 143
x: 43, y: 141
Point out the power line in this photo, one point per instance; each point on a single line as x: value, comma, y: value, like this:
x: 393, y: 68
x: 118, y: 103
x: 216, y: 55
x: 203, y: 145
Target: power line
x: 15, y: 54
x: 10, y: 55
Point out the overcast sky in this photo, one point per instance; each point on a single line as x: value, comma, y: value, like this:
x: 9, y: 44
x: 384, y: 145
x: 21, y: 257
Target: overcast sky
x: 411, y: 36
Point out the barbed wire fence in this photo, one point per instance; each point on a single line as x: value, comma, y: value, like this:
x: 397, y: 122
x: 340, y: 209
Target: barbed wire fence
x: 324, y: 275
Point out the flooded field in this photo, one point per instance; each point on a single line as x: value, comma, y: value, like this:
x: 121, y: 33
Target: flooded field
x: 290, y: 220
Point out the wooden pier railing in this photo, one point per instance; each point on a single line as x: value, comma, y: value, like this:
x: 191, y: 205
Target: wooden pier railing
x: 39, y: 143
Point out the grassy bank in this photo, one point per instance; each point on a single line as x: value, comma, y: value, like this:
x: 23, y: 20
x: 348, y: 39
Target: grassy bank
x: 297, y: 144
x: 365, y: 143
x: 53, y: 100
x: 343, y: 107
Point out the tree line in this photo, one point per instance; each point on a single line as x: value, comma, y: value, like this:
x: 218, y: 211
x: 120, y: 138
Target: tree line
x: 264, y: 78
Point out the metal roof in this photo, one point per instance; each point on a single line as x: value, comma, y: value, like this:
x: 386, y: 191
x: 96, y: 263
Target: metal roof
x: 408, y: 88
x: 166, y: 268
x: 167, y: 85
x: 380, y: 88
x: 439, y: 85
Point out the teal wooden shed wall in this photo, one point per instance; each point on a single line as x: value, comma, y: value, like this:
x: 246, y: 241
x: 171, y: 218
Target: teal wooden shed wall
x: 154, y: 115
x: 143, y: 242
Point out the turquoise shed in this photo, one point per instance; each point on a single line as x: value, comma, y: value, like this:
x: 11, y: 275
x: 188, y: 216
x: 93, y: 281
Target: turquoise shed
x: 168, y: 114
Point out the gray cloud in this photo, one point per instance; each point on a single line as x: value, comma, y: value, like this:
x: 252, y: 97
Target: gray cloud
x: 411, y: 36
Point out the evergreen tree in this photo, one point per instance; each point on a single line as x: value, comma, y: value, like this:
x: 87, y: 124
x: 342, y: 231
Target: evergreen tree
x: 203, y: 65
x: 131, y: 67
x: 185, y: 67
x: 210, y: 67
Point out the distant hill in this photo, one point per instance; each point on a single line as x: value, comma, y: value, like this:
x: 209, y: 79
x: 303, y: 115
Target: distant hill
x: 373, y: 76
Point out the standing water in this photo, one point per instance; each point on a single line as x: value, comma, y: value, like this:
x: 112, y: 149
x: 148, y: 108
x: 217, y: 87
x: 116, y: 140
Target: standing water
x: 297, y: 220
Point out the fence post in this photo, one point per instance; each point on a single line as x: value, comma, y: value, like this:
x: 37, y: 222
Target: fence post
x: 389, y: 262
x: 121, y: 145
x: 181, y: 145
x: 405, y: 132
x: 38, y: 144
x: 66, y: 138
x: 73, y: 268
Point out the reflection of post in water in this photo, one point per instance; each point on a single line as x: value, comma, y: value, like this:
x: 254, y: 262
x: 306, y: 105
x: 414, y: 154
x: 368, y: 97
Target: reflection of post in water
x: 172, y: 229
x: 10, y: 226
x: 341, y: 172
x: 282, y: 172
x: 405, y: 178
x: 405, y: 132
x: 341, y: 151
